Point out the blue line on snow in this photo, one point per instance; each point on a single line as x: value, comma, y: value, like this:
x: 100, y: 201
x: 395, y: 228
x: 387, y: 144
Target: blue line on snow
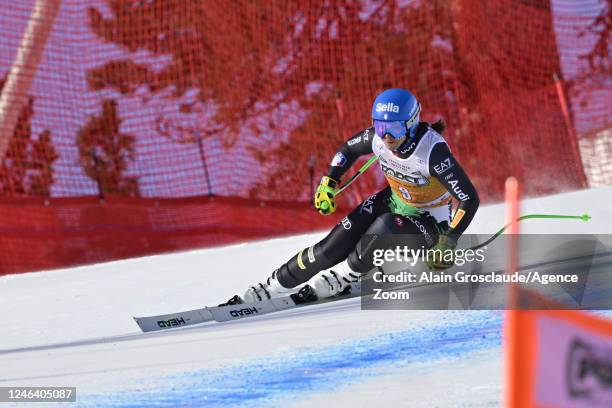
x: 276, y: 378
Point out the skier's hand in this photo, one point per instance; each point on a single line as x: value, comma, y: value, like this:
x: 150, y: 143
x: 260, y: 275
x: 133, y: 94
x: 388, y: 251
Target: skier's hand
x: 442, y: 255
x: 324, y: 197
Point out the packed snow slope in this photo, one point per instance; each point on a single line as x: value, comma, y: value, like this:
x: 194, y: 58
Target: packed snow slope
x: 74, y: 327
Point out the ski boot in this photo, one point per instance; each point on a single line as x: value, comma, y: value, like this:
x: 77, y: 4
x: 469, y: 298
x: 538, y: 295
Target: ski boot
x: 260, y: 291
x: 335, y: 281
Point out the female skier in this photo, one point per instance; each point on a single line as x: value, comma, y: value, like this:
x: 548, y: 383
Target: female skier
x: 423, y: 177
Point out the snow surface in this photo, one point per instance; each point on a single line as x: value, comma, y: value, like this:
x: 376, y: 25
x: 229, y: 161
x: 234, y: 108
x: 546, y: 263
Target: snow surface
x: 74, y: 327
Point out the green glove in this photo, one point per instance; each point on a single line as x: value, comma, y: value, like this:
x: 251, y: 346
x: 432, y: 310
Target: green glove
x: 442, y: 255
x: 324, y: 197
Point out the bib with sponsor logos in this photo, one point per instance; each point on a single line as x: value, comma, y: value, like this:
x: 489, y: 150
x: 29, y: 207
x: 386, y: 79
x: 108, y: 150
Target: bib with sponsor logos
x: 409, y: 178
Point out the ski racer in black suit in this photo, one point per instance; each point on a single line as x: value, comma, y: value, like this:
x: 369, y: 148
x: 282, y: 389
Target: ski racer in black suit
x: 423, y: 177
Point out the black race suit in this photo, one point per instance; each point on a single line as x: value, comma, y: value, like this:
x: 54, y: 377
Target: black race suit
x: 378, y: 213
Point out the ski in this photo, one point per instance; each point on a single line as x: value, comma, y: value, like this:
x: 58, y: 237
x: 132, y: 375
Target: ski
x: 232, y: 312
x: 173, y: 320
x: 246, y: 310
x: 235, y: 312
x: 240, y: 311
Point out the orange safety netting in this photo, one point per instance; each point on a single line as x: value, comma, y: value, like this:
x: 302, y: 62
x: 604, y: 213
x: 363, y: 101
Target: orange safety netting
x: 248, y: 100
x: 39, y: 234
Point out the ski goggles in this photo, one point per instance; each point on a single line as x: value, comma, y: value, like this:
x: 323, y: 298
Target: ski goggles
x: 396, y: 128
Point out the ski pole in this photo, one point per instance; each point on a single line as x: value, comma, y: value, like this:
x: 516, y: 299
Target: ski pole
x: 353, y: 178
x: 583, y: 217
x: 357, y: 174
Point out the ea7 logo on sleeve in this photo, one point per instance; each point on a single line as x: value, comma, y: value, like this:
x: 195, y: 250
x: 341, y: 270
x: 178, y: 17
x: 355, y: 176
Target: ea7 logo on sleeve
x: 339, y: 160
x: 366, y: 134
x: 443, y: 165
x: 387, y: 107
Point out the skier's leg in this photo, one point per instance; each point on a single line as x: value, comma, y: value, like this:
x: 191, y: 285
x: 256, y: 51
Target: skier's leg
x: 336, y: 245
x: 329, y: 251
x: 420, y: 231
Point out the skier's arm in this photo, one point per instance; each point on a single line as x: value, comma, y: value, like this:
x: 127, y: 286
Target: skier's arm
x: 444, y: 167
x: 358, y: 145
